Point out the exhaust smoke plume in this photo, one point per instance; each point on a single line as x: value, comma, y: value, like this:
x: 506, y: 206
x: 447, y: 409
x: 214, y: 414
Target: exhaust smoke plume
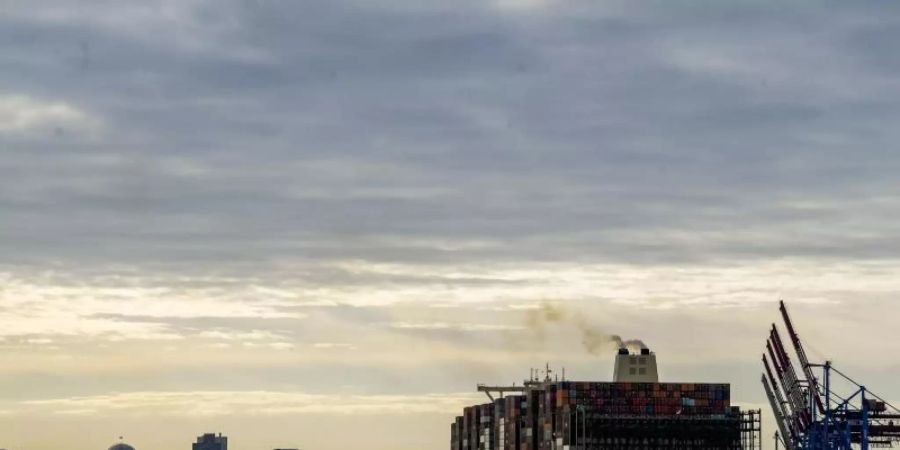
x: 594, y: 340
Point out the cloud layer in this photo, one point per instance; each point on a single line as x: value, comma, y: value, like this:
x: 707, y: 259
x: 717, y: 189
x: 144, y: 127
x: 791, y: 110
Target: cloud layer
x: 337, y: 203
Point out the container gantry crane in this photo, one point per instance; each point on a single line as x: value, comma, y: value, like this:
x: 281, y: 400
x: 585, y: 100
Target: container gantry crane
x: 814, y: 416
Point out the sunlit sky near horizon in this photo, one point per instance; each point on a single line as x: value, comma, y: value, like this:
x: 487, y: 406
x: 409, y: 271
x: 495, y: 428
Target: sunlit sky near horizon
x: 319, y: 223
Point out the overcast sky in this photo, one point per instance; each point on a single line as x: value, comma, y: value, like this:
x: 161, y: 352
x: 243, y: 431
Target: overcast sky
x: 320, y: 223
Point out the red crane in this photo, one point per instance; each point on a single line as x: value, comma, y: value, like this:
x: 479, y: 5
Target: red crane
x: 801, y: 355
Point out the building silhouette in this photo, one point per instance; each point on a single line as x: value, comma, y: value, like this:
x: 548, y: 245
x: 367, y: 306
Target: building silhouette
x: 211, y: 441
x: 121, y: 446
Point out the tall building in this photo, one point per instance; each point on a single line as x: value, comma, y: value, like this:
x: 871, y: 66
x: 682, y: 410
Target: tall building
x: 211, y: 441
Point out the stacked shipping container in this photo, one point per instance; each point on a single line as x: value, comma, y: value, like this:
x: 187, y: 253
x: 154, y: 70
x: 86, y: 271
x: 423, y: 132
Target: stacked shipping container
x: 486, y: 429
x: 469, y: 430
x: 602, y: 415
x: 513, y: 421
x: 456, y: 437
x: 641, y: 398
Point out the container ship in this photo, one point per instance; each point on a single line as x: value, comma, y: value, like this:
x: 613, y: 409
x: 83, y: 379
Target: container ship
x: 634, y: 412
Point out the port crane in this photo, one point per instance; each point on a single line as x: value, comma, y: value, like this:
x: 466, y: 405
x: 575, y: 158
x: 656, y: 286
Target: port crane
x: 812, y: 412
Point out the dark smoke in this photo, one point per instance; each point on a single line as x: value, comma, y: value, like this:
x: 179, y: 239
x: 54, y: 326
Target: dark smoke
x: 537, y: 319
x: 594, y: 340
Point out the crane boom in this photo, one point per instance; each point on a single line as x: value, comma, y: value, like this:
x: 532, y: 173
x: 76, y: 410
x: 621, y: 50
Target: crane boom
x: 790, y: 382
x: 801, y: 355
x: 776, y: 409
x: 782, y: 404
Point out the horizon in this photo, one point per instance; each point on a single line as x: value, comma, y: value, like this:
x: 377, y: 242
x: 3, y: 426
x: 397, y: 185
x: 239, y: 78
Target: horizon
x: 320, y: 224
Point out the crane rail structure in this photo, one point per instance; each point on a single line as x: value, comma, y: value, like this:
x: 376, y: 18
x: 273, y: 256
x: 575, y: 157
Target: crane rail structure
x: 815, y: 415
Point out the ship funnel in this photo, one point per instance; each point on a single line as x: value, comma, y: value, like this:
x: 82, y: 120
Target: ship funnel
x: 635, y: 368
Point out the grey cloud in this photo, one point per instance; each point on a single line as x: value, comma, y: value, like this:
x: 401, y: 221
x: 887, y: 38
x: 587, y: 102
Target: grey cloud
x: 256, y: 136
x: 547, y: 136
